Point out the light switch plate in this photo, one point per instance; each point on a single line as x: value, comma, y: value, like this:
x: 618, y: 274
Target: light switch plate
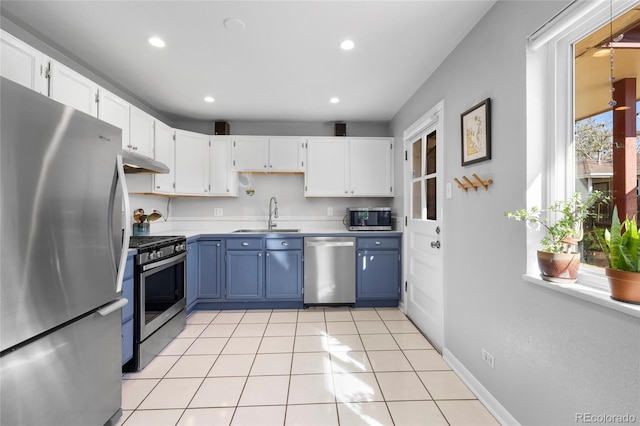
x: 217, y: 211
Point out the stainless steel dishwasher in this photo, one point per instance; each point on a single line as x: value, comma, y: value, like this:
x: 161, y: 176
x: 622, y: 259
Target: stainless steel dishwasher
x: 330, y: 270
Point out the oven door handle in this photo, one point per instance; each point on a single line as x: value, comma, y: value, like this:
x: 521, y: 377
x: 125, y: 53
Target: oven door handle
x: 173, y: 260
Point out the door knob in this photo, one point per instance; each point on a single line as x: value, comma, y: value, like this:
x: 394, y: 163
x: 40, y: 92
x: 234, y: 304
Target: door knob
x: 435, y: 244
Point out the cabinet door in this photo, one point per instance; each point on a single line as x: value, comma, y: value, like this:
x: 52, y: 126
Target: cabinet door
x: 251, y: 153
x: 141, y: 133
x: 209, y: 270
x: 326, y: 168
x: 377, y: 274
x: 283, y: 280
x: 192, y: 163
x: 224, y: 179
x: 164, y: 151
x: 71, y: 88
x: 370, y: 167
x: 192, y: 273
x: 23, y: 64
x: 114, y: 110
x: 244, y: 274
x: 285, y: 154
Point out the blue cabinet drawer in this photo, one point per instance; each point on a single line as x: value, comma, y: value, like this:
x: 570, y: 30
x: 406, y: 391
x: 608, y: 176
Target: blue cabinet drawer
x: 284, y: 243
x: 244, y: 244
x: 127, y: 293
x: 378, y: 243
x: 127, y: 341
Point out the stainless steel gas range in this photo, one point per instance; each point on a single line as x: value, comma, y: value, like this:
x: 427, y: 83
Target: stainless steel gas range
x: 159, y: 292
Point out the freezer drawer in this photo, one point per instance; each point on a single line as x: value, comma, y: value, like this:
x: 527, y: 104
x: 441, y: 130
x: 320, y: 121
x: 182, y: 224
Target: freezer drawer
x: 329, y: 270
x: 69, y: 377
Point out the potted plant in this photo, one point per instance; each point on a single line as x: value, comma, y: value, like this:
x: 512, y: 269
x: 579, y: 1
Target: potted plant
x: 558, y: 259
x: 621, y: 246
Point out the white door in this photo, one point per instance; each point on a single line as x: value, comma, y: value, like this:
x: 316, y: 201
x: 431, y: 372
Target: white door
x: 224, y: 179
x: 326, y: 172
x: 424, y: 292
x: 251, y: 153
x: 141, y: 137
x: 192, y: 163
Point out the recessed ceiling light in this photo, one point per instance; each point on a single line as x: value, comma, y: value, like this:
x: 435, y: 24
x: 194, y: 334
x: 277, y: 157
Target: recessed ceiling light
x: 156, y: 42
x: 347, y: 45
x: 334, y: 100
x: 209, y: 99
x: 234, y: 25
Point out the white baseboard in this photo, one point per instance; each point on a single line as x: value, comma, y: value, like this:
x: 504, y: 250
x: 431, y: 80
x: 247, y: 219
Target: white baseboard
x: 492, y: 404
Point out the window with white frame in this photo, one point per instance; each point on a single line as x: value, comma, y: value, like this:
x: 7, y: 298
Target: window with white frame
x: 568, y: 96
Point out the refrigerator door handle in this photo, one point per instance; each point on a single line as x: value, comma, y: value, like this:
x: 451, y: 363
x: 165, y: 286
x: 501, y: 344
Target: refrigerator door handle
x: 127, y: 229
x: 113, y: 306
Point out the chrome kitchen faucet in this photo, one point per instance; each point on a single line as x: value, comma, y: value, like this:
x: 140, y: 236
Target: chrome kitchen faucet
x: 273, y: 212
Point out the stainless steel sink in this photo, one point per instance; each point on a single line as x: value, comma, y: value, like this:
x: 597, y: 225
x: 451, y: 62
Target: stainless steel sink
x: 266, y: 231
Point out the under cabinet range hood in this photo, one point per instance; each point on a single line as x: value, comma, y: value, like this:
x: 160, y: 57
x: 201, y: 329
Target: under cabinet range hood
x: 137, y: 163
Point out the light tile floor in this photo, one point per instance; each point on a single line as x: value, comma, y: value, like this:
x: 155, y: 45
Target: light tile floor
x: 318, y: 366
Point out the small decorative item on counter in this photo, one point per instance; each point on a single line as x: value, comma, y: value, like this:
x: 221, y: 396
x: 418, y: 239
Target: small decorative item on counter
x: 142, y: 225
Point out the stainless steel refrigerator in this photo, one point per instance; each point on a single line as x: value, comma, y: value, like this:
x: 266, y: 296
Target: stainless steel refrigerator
x: 61, y: 263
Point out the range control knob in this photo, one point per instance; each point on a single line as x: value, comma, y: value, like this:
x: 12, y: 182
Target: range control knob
x: 153, y: 255
x: 180, y: 247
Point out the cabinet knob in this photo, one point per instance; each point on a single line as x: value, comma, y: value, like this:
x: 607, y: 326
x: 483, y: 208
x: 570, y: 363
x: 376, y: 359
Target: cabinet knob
x: 244, y: 244
x: 284, y: 243
x: 378, y: 243
x: 259, y: 254
x: 265, y: 254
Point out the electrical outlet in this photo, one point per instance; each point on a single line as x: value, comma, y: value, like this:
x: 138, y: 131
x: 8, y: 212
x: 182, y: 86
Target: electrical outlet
x: 329, y: 211
x: 488, y: 358
x: 217, y: 211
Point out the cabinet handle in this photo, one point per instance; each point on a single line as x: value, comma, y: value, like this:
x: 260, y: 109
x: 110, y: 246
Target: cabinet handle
x: 378, y: 243
x: 284, y: 243
x: 244, y: 244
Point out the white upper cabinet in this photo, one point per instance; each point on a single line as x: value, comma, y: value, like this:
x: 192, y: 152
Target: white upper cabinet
x: 371, y: 167
x: 23, y: 64
x: 165, y: 153
x: 267, y: 154
x: 326, y: 174
x: 192, y: 163
x: 286, y: 154
x: 251, y: 153
x: 114, y: 110
x: 223, y: 177
x: 73, y: 89
x: 141, y: 132
x: 349, y: 167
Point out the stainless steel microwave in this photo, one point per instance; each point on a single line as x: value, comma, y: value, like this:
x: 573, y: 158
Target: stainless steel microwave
x: 369, y: 219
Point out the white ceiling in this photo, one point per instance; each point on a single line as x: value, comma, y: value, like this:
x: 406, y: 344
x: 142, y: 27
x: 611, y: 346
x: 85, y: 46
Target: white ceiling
x: 284, y: 66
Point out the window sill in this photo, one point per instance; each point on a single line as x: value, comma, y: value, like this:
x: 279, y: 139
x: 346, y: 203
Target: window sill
x: 586, y: 293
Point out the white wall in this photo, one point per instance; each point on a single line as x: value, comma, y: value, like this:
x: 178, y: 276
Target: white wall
x: 555, y: 356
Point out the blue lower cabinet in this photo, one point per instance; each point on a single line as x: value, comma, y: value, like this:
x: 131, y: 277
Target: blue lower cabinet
x: 209, y: 270
x: 244, y: 275
x: 192, y: 274
x: 127, y: 311
x: 378, y: 269
x: 283, y: 280
x: 127, y: 341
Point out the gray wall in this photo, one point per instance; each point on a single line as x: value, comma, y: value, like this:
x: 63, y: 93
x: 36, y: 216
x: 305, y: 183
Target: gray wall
x: 290, y: 128
x: 555, y: 355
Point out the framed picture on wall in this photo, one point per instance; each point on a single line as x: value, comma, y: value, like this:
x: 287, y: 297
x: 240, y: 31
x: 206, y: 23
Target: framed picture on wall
x: 476, y: 133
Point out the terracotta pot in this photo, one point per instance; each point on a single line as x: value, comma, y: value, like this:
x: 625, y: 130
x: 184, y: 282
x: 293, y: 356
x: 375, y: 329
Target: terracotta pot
x: 558, y: 267
x: 624, y: 285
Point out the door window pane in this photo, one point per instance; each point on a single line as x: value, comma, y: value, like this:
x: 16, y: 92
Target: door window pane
x: 416, y: 200
x: 430, y: 196
x: 417, y: 158
x: 431, y: 153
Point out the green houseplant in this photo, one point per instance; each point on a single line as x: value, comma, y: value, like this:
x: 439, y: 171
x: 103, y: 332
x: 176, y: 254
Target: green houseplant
x: 621, y: 246
x: 558, y: 259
